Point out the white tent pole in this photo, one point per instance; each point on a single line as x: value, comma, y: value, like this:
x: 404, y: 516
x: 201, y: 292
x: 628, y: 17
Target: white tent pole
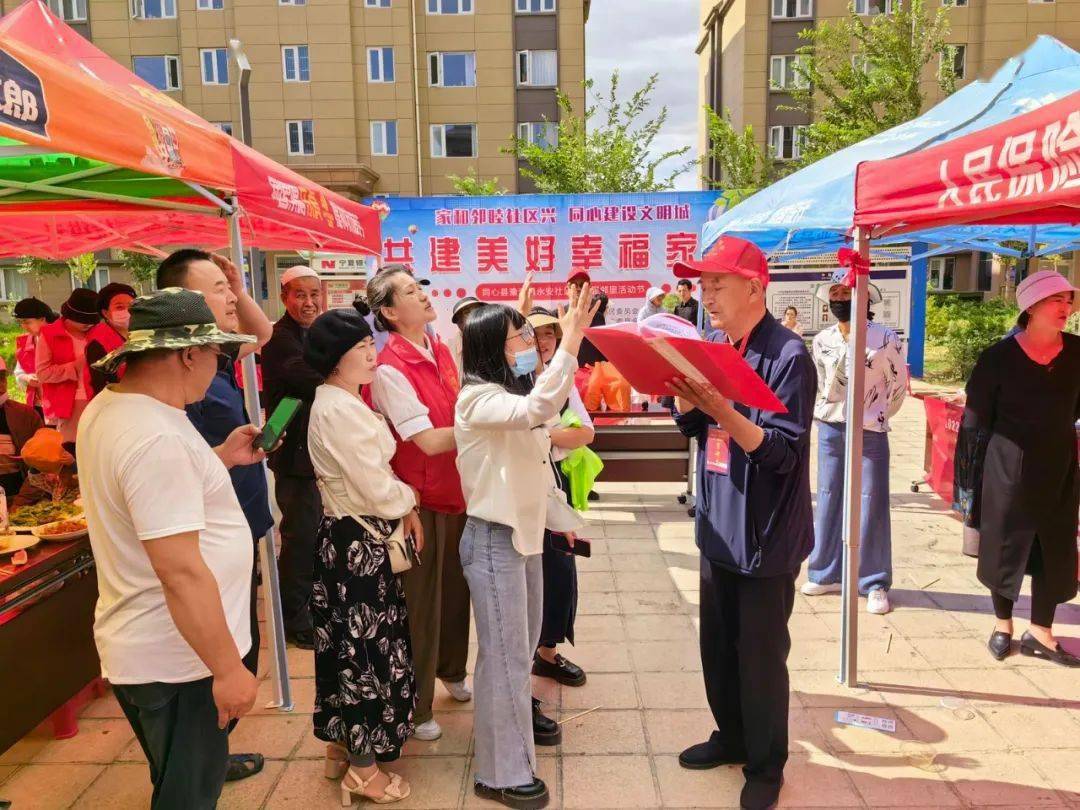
x: 849, y: 628
x: 279, y: 667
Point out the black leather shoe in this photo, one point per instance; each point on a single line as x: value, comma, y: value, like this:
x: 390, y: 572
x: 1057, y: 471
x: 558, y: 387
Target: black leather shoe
x: 241, y: 766
x: 760, y: 795
x: 526, y: 797
x: 710, y: 754
x: 594, y: 495
x: 565, y: 672
x: 545, y: 730
x: 304, y: 639
x: 1000, y: 644
x: 1031, y: 646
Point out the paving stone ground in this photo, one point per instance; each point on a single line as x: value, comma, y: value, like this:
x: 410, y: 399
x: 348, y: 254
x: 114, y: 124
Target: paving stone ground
x: 970, y: 732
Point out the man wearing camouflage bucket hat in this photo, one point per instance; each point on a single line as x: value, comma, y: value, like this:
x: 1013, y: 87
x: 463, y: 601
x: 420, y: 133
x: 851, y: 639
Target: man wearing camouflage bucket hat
x: 172, y: 547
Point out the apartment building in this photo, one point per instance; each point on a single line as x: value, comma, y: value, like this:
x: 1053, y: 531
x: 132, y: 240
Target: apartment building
x: 747, y: 51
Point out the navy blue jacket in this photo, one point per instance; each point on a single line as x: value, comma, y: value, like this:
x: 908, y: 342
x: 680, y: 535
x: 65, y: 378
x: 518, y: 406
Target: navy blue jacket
x: 758, y: 519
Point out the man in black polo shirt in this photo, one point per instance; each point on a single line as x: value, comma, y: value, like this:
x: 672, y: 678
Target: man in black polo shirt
x: 754, y: 521
x: 222, y: 410
x: 687, y: 308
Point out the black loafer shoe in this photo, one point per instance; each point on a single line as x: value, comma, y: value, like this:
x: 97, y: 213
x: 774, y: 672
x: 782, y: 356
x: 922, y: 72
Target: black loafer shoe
x: 526, y: 797
x: 1031, y: 646
x: 565, y: 672
x: 710, y: 754
x: 760, y: 795
x: 304, y: 639
x: 594, y: 495
x: 241, y: 766
x: 545, y: 730
x: 1000, y: 644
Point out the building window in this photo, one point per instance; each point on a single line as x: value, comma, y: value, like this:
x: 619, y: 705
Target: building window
x: 538, y: 68
x: 1040, y: 1
x: 453, y: 140
x: 295, y: 66
x: 876, y: 6
x: 984, y: 272
x: 535, y: 6
x: 452, y: 69
x: 785, y: 142
x: 955, y: 3
x: 384, y: 138
x: 210, y: 5
x: 215, y: 65
x: 955, y: 55
x: 544, y: 134
x: 449, y: 6
x: 98, y: 279
x: 292, y: 2
x: 380, y: 62
x: 782, y: 73
x: 301, y: 137
x: 163, y: 72
x: 153, y: 9
x: 224, y: 126
x: 69, y: 10
x: 940, y: 270
x: 377, y: 3
x: 792, y: 9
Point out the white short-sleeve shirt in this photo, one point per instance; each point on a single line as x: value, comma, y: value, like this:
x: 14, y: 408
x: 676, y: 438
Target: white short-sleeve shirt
x: 145, y: 474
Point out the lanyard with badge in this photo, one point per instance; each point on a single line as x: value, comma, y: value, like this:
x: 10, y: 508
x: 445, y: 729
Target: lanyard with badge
x: 718, y: 445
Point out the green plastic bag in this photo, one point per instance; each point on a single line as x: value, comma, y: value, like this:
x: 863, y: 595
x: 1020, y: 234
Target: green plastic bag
x: 581, y: 467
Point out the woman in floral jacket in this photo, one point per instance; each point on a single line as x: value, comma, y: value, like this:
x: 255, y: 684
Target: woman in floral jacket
x: 365, y: 691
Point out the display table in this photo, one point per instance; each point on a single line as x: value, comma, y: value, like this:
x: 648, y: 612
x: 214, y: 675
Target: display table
x: 46, y: 637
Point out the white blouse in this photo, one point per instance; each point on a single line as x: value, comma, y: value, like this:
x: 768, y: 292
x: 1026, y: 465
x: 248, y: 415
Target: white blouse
x: 351, y: 448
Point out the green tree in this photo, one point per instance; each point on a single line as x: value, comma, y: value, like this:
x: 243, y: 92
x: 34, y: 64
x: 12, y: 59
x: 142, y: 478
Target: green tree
x: 605, y: 149
x: 82, y: 267
x: 39, y: 269
x: 472, y: 186
x: 142, y: 267
x: 742, y: 166
x: 861, y: 75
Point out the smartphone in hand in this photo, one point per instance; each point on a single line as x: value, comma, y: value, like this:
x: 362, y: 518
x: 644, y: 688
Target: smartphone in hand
x: 275, y: 426
x: 581, y: 547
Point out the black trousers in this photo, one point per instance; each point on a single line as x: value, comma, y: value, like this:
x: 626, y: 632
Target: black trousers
x: 251, y: 660
x: 176, y: 725
x: 301, y: 514
x: 1043, y: 606
x: 744, y: 649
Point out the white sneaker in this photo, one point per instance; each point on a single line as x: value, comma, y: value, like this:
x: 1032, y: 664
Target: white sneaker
x: 428, y: 731
x: 815, y: 589
x: 877, y: 602
x: 458, y: 691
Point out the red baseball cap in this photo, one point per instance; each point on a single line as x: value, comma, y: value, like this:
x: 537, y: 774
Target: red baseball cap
x: 728, y: 254
x: 577, y: 273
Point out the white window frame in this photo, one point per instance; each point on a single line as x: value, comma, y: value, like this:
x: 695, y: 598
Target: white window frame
x: 172, y: 66
x: 438, y: 138
x: 862, y: 7
x: 296, y: 58
x: 950, y: 54
x: 776, y: 134
x: 437, y: 68
x: 382, y: 65
x: 954, y: 3
x: 299, y: 122
x: 377, y: 3
x: 546, y: 7
x: 292, y: 2
x: 216, y: 80
x: 804, y: 9
x: 797, y: 81
x: 523, y: 65
x: 383, y: 126
x: 138, y: 10
x: 440, y: 13
x: 525, y: 132
x: 78, y: 10
x: 222, y: 124
x: 935, y: 272
x: 208, y: 5
x: 1039, y: 2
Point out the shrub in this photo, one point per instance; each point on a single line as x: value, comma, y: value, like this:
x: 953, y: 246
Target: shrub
x: 963, y: 328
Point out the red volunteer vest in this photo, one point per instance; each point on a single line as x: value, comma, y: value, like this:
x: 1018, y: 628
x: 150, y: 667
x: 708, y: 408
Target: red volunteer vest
x: 26, y: 356
x: 58, y: 399
x: 109, y: 339
x: 436, y: 384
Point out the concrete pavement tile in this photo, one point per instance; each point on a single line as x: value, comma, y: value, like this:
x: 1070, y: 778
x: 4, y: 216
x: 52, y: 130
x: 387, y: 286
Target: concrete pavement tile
x: 48, y: 787
x: 634, y: 581
x: 303, y: 697
x: 954, y: 653
x: 603, y: 732
x: 251, y: 793
x: 98, y: 741
x: 597, y: 603
x: 672, y: 690
x: 6, y: 771
x: 602, y: 656
x: 666, y: 656
x: 26, y: 749
x: 817, y: 780
x: 672, y: 730
x: 595, y: 581
x: 118, y: 787
x: 620, y: 548
x: 1002, y: 779
x: 820, y: 689
x: 839, y: 738
x: 103, y: 708
x: 1059, y: 768
x: 809, y: 627
x: 887, y: 650
x: 692, y: 600
x: 608, y: 781
x: 684, y: 578
x: 642, y: 563
x: 998, y: 686
x: 719, y: 787
x: 273, y: 736
x: 457, y: 735
x: 635, y: 604
x: 596, y: 628
x: 925, y: 624
x: 960, y: 731
x: 818, y: 655
x: 1055, y: 682
x: 608, y: 690
x: 633, y: 531
x: 132, y: 753
x: 804, y: 734
x: 909, y: 687
x: 597, y: 562
x: 897, y: 784
x: 1031, y: 727
x: 655, y: 627
x: 301, y: 662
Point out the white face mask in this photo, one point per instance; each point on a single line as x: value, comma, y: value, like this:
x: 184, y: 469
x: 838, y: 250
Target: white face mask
x: 120, y: 319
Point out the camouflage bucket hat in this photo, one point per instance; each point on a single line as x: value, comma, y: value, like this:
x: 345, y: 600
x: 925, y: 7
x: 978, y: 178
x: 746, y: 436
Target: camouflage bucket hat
x: 173, y: 318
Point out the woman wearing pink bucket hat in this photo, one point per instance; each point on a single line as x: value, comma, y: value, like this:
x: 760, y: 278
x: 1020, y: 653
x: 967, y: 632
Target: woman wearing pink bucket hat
x: 1016, y: 465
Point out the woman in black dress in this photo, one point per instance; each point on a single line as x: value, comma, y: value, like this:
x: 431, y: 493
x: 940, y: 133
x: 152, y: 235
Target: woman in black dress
x: 1016, y: 465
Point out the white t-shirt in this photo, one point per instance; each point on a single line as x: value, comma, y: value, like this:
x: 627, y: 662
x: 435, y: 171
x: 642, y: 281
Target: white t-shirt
x: 146, y: 473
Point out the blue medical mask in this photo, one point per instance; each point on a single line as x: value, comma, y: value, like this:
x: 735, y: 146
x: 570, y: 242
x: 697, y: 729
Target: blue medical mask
x: 525, y: 362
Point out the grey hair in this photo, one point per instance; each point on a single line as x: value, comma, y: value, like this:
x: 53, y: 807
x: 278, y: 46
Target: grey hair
x: 380, y: 293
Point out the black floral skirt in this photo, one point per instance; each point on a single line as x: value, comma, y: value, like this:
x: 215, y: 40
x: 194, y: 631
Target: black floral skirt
x: 365, y: 691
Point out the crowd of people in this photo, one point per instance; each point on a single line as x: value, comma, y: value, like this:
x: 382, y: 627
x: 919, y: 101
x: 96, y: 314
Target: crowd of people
x: 425, y: 483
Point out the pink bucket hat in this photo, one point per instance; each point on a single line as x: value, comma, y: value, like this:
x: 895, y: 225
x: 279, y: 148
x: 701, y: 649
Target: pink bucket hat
x: 1038, y: 286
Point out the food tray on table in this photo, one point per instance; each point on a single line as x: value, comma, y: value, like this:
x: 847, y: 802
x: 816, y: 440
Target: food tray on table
x: 61, y: 531
x: 11, y: 543
x: 27, y: 518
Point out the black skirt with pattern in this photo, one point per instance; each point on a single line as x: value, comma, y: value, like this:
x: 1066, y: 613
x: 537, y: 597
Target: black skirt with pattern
x: 365, y: 690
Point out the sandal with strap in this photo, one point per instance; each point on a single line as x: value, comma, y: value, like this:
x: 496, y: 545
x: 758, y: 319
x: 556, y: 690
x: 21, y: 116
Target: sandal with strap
x: 337, y: 761
x: 353, y: 785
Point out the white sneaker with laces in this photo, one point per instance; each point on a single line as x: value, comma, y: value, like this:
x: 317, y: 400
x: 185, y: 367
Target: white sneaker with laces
x: 428, y: 731
x: 458, y: 691
x: 815, y: 589
x: 877, y: 602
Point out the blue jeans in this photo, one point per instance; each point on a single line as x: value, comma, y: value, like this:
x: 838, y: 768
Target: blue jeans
x: 507, y: 592
x: 875, y: 556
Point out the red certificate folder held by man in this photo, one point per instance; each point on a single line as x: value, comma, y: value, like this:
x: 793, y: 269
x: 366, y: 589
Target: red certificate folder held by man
x: 651, y: 357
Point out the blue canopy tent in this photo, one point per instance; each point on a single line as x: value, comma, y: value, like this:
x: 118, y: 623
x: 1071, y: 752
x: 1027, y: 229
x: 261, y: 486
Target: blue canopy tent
x: 812, y: 212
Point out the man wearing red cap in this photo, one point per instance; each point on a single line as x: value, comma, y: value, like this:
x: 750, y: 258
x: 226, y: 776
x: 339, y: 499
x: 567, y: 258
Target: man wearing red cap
x: 754, y: 521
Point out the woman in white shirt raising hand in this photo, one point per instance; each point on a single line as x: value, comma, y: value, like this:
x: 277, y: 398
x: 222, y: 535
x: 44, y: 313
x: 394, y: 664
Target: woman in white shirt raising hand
x: 504, y: 457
